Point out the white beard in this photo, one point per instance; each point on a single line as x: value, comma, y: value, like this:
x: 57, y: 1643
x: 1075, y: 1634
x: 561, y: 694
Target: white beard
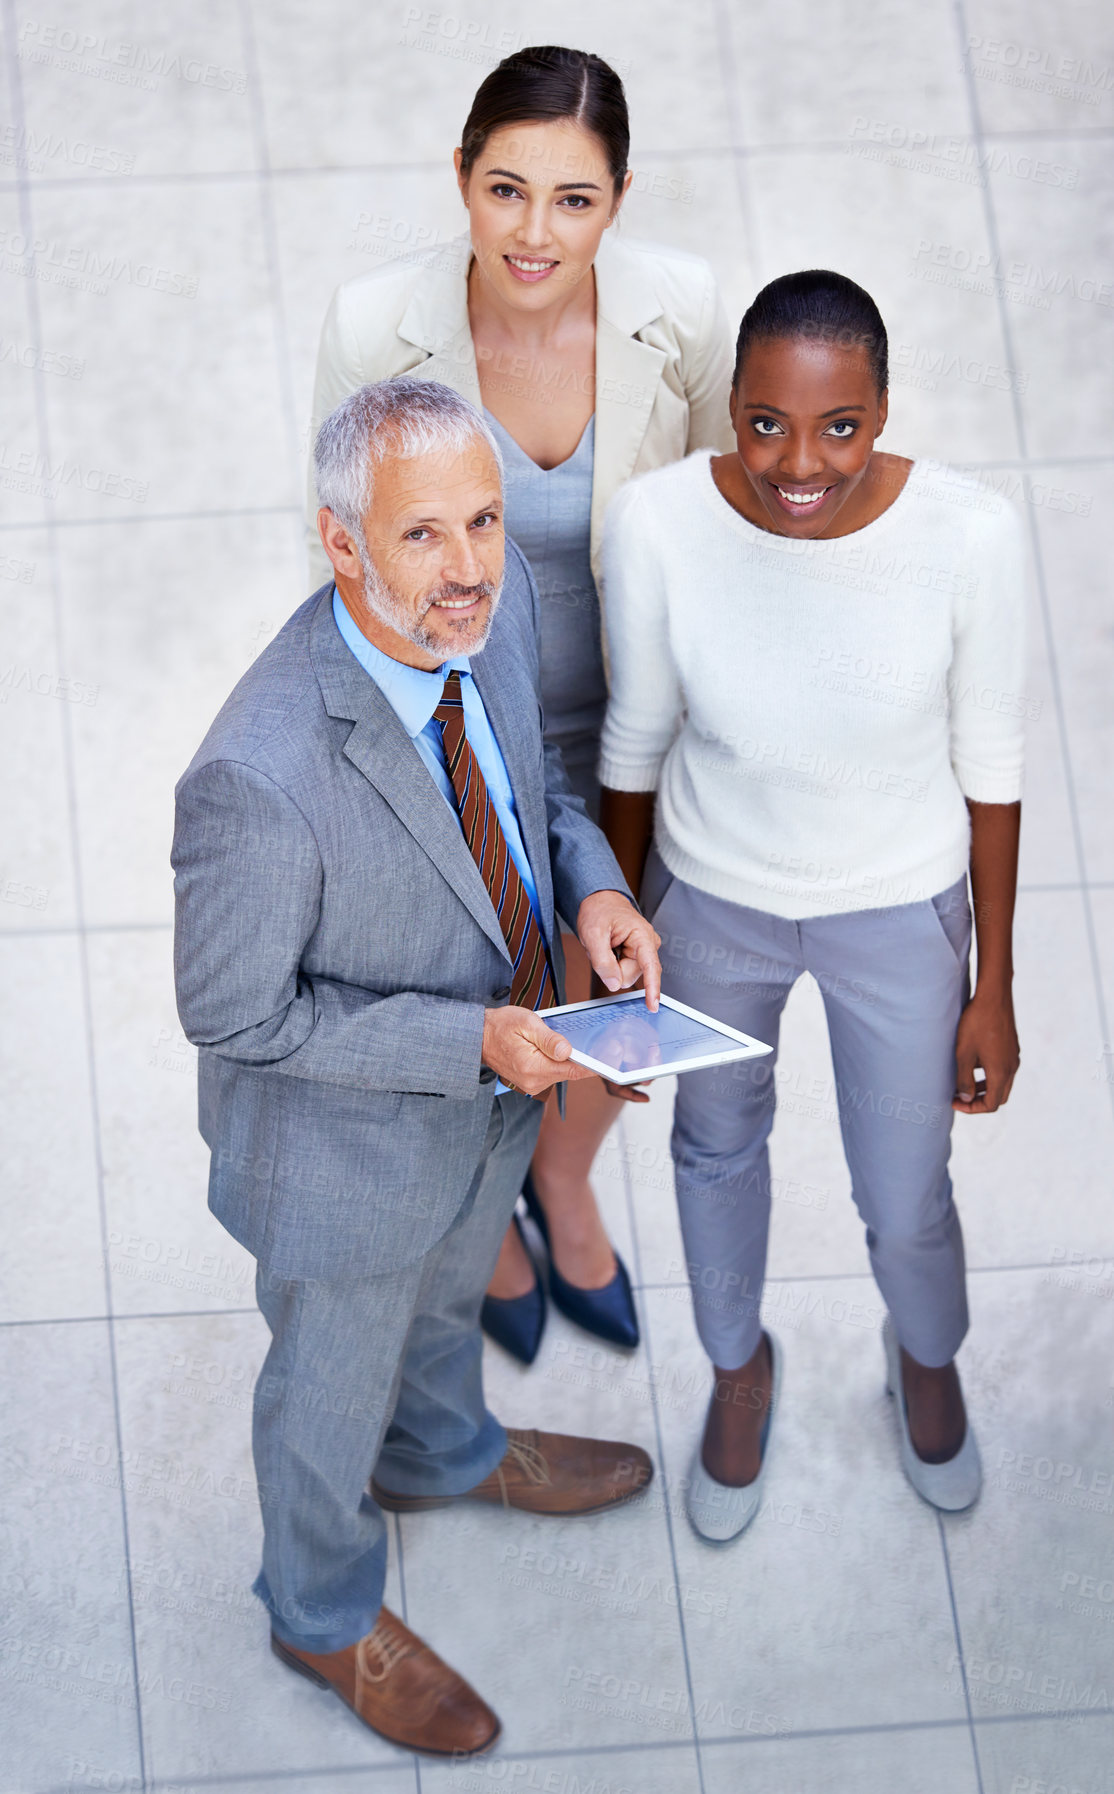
x: 387, y: 607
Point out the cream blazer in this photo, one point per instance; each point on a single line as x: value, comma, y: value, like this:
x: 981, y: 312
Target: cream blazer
x: 664, y: 356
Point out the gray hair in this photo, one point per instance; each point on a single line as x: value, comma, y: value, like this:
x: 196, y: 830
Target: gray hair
x: 403, y: 417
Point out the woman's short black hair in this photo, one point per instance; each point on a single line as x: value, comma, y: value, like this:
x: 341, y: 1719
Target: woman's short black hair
x: 820, y: 305
x: 550, y: 82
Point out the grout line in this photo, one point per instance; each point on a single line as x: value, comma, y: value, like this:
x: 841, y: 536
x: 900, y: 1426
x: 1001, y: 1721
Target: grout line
x: 400, y: 1559
x: 865, y: 1275
x: 169, y: 1314
x: 731, y: 87
x: 185, y: 1314
x: 630, y: 1747
x: 915, y: 1725
x: 1006, y: 326
x: 636, y: 1254
x: 229, y: 177
x: 69, y: 755
x: 58, y: 523
x: 80, y: 928
x: 272, y: 258
x: 943, y: 1537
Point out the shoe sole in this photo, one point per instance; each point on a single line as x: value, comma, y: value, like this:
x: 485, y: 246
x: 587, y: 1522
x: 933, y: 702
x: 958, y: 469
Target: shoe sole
x: 420, y: 1504
x: 426, y: 1750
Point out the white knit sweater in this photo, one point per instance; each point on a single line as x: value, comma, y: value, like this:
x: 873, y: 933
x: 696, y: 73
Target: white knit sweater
x: 813, y: 714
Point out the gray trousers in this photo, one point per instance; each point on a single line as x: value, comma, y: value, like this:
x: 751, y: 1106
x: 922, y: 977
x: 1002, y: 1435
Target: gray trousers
x: 383, y: 1373
x: 894, y: 982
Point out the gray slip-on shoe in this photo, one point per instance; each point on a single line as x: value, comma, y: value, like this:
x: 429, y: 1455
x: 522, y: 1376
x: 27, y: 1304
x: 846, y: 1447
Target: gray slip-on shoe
x: 952, y: 1486
x: 716, y: 1510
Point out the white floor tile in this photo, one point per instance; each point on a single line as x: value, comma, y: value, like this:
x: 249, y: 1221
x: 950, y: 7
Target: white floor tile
x: 661, y: 1770
x: 179, y: 408
x: 189, y: 614
x: 832, y: 1609
x: 51, y: 1266
x: 867, y: 73
x: 67, y: 1684
x: 1037, y: 68
x: 1031, y: 1562
x: 23, y: 481
x: 1077, y: 564
x: 1059, y: 1753
x: 165, y: 1250
x: 125, y: 92
x: 36, y: 693
x: 1028, y: 1178
x: 1055, y: 274
x: 917, y: 1762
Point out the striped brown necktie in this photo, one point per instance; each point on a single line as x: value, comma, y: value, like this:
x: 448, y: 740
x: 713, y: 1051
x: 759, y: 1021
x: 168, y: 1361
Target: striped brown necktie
x: 532, y: 985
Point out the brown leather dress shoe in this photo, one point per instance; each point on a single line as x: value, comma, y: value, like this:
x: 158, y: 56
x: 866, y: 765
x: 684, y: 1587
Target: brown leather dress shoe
x: 547, y: 1473
x: 401, y: 1689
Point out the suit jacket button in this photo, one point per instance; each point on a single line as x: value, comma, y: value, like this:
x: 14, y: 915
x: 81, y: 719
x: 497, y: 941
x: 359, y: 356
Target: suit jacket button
x: 501, y: 995
x: 487, y: 1076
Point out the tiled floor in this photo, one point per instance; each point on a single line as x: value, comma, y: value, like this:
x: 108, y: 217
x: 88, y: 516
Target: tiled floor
x: 181, y: 189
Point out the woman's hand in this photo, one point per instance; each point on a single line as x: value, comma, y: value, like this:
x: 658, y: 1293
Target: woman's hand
x: 986, y: 1037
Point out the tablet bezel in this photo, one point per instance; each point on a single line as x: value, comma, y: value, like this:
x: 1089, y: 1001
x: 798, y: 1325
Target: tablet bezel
x: 744, y: 1047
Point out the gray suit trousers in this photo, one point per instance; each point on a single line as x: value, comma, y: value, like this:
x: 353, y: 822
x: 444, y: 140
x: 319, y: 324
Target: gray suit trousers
x: 384, y: 1373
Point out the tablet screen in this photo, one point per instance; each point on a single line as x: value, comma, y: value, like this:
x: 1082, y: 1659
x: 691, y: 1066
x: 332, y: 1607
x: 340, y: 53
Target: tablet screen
x: 628, y: 1037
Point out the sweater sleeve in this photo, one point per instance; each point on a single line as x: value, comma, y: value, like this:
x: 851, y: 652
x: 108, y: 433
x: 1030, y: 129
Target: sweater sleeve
x: 645, y: 698
x: 985, y: 686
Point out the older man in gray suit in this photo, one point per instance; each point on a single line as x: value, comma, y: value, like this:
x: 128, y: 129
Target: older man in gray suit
x: 370, y: 845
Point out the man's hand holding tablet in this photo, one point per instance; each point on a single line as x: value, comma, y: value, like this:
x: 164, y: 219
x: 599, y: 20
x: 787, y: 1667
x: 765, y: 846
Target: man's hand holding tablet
x: 623, y: 947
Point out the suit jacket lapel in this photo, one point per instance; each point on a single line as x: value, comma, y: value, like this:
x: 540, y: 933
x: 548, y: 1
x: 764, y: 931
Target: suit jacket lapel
x: 380, y: 748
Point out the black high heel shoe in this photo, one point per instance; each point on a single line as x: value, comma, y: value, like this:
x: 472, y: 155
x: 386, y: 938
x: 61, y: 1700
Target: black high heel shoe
x: 517, y: 1322
x: 609, y: 1312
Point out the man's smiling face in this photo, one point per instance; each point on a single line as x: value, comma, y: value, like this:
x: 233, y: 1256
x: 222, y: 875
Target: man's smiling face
x: 424, y: 584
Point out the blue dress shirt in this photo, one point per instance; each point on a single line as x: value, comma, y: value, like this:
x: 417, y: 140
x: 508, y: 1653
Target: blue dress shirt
x: 413, y: 696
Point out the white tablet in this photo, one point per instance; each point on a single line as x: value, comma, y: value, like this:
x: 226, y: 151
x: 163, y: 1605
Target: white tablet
x: 624, y: 1041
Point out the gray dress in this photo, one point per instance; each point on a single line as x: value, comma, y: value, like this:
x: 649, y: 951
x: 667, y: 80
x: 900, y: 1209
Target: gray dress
x: 548, y: 513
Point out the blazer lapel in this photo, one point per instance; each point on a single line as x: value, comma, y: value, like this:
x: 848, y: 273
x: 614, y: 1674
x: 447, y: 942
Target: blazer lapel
x: 627, y: 373
x: 436, y: 320
x: 380, y: 748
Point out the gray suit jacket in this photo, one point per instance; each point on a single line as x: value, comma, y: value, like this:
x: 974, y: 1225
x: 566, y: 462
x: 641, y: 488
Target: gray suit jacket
x: 335, y: 945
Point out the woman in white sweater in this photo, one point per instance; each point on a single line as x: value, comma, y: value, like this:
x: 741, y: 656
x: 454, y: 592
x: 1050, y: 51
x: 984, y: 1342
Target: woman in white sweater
x: 816, y: 659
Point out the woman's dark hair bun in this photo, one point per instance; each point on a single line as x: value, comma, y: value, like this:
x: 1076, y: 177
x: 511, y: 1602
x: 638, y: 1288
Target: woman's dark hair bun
x: 816, y: 303
x: 549, y: 82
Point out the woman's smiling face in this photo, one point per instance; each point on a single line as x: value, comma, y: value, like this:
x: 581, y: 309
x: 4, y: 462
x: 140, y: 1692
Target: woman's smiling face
x: 806, y: 414
x: 539, y: 197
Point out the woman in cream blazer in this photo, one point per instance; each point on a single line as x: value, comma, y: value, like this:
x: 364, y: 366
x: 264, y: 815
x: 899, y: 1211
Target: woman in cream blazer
x: 594, y: 359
